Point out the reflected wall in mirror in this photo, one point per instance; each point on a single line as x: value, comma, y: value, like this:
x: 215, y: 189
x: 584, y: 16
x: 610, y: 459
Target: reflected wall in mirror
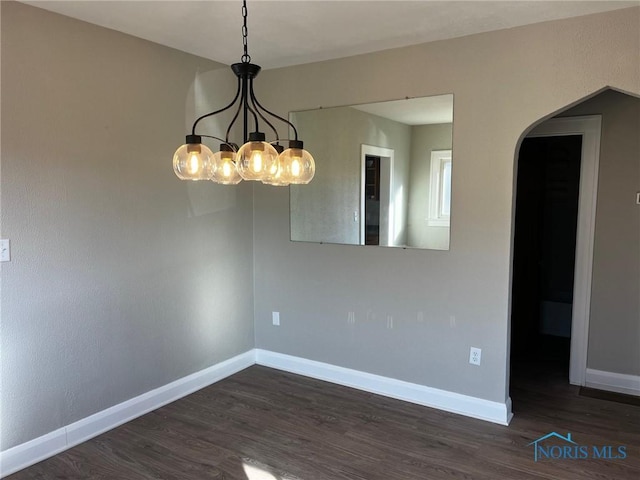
x: 383, y: 174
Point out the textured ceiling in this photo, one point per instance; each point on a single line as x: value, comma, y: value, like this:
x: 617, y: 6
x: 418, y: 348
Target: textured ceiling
x: 283, y: 33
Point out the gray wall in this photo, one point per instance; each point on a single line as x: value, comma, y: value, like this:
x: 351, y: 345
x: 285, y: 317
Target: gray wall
x: 322, y: 211
x: 614, y: 324
x: 425, y: 139
x: 122, y: 278
x: 504, y: 82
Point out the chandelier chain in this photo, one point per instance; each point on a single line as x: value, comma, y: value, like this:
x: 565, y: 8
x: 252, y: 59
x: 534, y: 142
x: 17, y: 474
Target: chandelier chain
x: 246, y: 58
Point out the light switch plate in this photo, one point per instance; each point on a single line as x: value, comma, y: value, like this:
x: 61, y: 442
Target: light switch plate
x: 5, y: 250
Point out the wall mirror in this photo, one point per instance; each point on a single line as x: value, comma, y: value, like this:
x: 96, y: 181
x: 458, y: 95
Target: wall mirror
x: 383, y: 174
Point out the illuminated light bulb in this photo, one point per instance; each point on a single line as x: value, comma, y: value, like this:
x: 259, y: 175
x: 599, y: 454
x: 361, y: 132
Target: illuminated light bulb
x: 256, y: 161
x: 297, y: 164
x: 224, y: 166
x: 295, y: 167
x: 193, y: 160
x: 255, y: 158
x: 195, y: 163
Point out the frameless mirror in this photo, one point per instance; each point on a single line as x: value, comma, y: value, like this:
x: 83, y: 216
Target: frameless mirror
x: 383, y: 174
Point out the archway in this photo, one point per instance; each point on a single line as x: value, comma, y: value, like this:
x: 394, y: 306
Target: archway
x: 580, y: 305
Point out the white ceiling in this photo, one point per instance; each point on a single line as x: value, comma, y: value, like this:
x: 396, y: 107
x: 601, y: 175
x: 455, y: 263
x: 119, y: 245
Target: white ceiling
x: 283, y: 33
x: 414, y: 111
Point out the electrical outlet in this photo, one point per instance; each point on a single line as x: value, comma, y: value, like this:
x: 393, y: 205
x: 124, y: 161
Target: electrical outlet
x: 475, y: 355
x: 638, y: 198
x: 276, y: 318
x: 389, y: 322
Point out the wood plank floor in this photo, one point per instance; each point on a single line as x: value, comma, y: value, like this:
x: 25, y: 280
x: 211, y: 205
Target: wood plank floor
x: 263, y: 424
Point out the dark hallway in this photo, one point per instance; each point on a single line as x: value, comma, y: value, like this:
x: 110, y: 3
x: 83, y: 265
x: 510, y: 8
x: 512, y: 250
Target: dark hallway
x: 544, y: 258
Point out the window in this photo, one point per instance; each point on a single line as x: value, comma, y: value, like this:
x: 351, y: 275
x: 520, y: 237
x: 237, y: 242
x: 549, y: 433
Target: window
x: 440, y: 189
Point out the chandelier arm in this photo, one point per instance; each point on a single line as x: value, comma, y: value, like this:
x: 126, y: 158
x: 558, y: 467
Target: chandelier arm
x: 233, y: 121
x: 255, y: 117
x: 295, y: 131
x: 253, y: 112
x: 235, y: 99
x: 255, y: 104
x: 226, y: 142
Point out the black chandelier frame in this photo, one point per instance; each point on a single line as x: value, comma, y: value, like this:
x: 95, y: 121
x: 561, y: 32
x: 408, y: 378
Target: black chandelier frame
x: 248, y: 104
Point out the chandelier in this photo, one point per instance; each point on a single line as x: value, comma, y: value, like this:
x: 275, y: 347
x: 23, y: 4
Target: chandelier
x: 256, y: 159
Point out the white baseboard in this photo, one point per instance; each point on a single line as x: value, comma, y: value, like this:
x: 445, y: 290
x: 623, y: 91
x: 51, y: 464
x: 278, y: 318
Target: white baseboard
x: 613, y: 382
x: 495, y: 412
x: 41, y: 448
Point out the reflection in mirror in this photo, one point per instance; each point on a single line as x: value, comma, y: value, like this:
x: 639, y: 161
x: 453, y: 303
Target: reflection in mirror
x: 383, y: 174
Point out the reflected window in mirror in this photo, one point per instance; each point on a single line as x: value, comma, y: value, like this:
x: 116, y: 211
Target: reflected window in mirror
x: 375, y: 181
x: 440, y: 189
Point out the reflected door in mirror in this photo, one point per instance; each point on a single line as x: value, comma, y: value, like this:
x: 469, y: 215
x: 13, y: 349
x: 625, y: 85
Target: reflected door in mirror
x: 372, y: 200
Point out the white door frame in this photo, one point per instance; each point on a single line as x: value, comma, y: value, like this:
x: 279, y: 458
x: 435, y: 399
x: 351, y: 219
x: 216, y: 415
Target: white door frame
x: 387, y: 234
x: 589, y: 127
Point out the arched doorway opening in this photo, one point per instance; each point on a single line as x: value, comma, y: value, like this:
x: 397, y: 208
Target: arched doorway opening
x: 576, y: 261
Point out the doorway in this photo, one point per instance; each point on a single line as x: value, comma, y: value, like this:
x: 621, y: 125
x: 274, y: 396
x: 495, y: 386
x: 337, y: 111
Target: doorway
x: 372, y: 200
x: 544, y: 252
x: 376, y: 200
x: 553, y: 248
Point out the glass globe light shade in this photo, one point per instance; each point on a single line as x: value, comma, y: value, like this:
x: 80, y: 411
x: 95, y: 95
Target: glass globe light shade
x: 193, y: 161
x: 255, y: 158
x: 276, y: 176
x: 297, y: 164
x: 224, y: 166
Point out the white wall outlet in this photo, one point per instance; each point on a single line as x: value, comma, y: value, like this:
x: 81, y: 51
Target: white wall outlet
x: 356, y: 217
x: 351, y: 318
x: 389, y: 322
x: 475, y: 355
x: 275, y: 316
x: 5, y: 250
x: 638, y: 198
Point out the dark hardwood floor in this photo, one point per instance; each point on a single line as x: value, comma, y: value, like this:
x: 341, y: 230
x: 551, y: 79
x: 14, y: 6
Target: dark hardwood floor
x: 263, y: 424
